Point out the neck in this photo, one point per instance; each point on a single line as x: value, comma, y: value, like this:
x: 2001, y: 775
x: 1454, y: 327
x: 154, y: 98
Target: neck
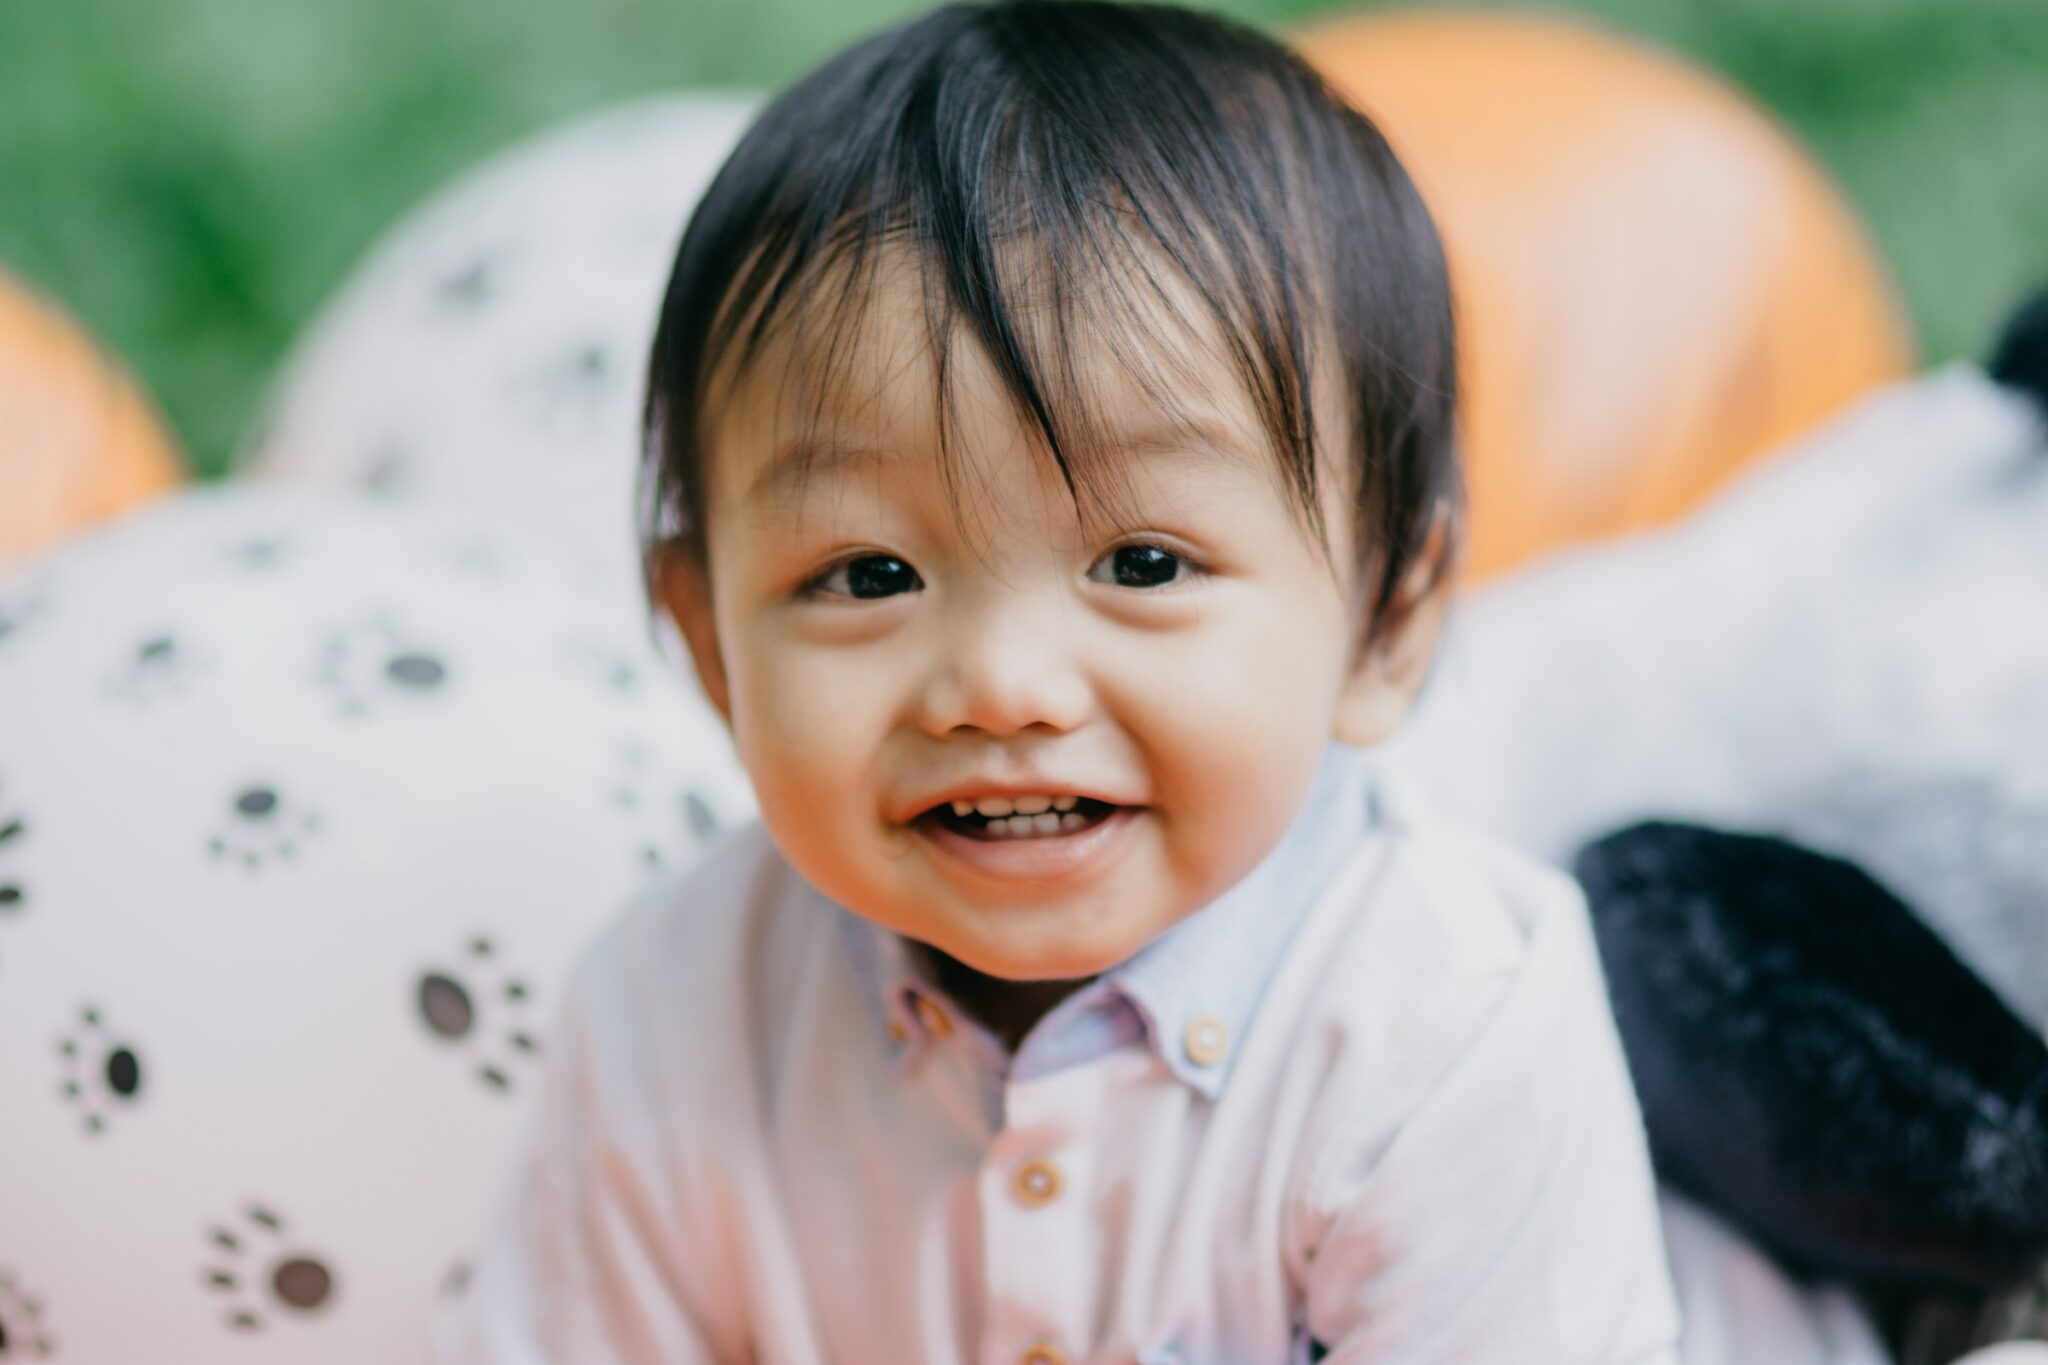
x: 1008, y: 1009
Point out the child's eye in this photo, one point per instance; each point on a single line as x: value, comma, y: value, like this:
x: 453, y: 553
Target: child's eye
x: 1140, y: 566
x: 868, y: 576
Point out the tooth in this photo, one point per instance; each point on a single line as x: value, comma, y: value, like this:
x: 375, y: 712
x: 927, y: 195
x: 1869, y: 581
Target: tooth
x: 963, y: 808
x: 1046, y: 822
x: 995, y: 805
x: 1019, y: 824
x: 1072, y: 821
x: 1032, y: 805
x: 1064, y: 803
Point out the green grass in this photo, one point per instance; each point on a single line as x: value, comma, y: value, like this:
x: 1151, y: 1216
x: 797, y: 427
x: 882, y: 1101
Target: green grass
x: 193, y: 177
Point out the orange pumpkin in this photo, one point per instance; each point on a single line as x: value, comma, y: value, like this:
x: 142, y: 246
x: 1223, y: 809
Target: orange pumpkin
x: 78, y: 440
x: 1655, y: 285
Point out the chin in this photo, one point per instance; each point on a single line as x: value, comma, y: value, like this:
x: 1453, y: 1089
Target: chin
x: 1061, y: 960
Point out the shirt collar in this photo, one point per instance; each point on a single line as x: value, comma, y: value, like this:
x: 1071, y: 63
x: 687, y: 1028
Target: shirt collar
x: 1191, y: 992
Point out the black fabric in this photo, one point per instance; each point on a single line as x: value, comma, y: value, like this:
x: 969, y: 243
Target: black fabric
x: 1816, y: 1065
x: 2021, y: 360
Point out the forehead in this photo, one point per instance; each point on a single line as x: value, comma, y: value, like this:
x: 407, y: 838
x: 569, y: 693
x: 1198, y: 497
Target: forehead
x: 871, y: 366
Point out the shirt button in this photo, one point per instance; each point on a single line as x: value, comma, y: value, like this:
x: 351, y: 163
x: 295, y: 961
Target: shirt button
x: 1044, y: 1353
x: 1037, y: 1184
x: 1205, y: 1042
x: 934, y: 1018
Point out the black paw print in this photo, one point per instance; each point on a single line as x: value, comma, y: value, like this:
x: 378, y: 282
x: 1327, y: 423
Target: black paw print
x: 22, y: 1333
x: 262, y: 827
x: 471, y: 286
x: 669, y: 824
x: 569, y: 388
x: 101, y: 1072
x: 13, y: 837
x: 257, y: 1272
x: 257, y: 554
x: 388, y: 474
x: 458, y: 1006
x: 375, y: 663
x: 156, y: 668
x: 610, y: 668
x: 697, y: 813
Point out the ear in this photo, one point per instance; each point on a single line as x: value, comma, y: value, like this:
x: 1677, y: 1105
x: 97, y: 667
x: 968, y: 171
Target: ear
x: 1387, y: 676
x: 683, y: 588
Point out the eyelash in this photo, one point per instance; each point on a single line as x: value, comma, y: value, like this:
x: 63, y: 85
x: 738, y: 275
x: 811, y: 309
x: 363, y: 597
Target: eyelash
x: 1187, y: 571
x: 814, y: 587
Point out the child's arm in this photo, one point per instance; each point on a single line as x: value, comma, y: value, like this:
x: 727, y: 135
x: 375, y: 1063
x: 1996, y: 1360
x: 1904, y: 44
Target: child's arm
x: 581, y: 1265
x: 1510, y: 1217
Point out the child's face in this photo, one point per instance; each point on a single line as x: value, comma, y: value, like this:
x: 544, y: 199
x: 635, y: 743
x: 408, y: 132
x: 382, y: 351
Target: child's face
x: 881, y: 656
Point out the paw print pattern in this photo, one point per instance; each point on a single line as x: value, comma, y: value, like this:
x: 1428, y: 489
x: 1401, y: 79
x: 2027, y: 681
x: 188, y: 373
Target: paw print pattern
x: 461, y: 1006
x: 375, y: 663
x: 668, y: 823
x: 261, y: 827
x: 471, y: 286
x: 259, y: 1274
x: 259, y: 554
x: 158, y: 667
x: 609, y: 668
x: 568, y: 389
x: 388, y: 474
x: 22, y: 1333
x: 697, y: 813
x: 13, y: 836
x: 101, y: 1072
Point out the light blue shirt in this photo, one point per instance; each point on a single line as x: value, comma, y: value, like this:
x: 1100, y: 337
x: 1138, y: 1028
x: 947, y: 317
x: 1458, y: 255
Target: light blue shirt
x: 1371, y: 1096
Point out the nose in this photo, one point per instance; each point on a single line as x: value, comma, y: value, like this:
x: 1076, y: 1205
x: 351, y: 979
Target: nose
x: 1005, y: 665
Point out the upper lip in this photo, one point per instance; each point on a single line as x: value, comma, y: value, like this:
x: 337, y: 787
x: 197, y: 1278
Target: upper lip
x: 978, y: 790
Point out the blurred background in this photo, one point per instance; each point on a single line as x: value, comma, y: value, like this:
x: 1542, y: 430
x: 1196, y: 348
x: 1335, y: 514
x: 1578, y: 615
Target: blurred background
x: 298, y: 704
x: 192, y: 178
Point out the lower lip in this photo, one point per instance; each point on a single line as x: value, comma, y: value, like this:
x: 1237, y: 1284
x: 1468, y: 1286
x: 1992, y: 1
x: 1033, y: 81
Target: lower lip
x: 1029, y: 858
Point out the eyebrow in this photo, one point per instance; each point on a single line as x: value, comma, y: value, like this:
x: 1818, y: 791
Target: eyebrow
x: 801, y: 460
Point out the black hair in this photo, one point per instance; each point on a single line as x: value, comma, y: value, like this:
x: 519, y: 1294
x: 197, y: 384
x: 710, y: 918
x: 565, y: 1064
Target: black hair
x: 1048, y: 161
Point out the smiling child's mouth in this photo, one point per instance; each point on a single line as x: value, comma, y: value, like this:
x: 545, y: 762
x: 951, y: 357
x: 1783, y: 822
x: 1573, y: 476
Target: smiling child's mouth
x: 1026, y: 819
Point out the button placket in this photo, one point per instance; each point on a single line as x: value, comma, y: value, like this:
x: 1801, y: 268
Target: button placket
x: 1033, y: 1189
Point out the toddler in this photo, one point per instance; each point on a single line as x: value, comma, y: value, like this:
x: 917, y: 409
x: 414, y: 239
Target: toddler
x: 1052, y: 475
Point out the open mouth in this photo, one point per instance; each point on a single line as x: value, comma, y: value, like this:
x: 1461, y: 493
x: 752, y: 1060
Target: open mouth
x: 1020, y: 817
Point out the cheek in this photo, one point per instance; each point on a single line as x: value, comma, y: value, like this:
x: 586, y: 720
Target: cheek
x: 1234, y: 725
x: 1255, y: 683
x: 808, y: 724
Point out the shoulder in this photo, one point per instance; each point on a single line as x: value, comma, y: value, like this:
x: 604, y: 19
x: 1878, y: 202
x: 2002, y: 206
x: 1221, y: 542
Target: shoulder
x: 1473, y: 1154
x: 1447, y: 961
x: 1468, y: 865
x: 1442, y: 917
x: 678, y: 987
